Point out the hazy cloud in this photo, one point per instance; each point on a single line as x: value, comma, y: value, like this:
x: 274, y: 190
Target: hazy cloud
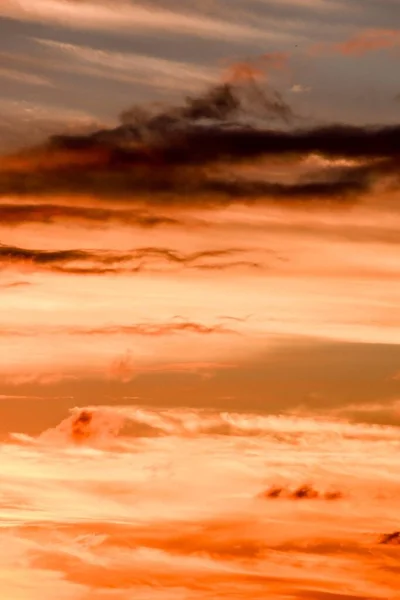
x: 127, y: 16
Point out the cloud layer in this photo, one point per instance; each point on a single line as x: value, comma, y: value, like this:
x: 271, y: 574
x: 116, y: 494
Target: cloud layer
x: 167, y: 502
x: 234, y: 248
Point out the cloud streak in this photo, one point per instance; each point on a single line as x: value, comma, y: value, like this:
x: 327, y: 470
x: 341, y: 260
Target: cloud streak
x: 139, y: 329
x: 363, y: 42
x: 127, y: 67
x: 15, y: 215
x: 98, y: 262
x: 98, y: 15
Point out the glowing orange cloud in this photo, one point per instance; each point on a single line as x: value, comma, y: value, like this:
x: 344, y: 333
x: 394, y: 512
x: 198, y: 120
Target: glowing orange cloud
x: 370, y: 40
x: 256, y: 68
x: 128, y: 502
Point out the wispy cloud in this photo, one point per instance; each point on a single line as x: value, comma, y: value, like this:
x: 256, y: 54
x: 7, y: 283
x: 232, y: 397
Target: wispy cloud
x: 21, y: 120
x: 362, y: 42
x: 369, y: 41
x: 18, y: 214
x: 20, y: 76
x: 139, y: 329
x: 126, y: 16
x: 14, y: 284
x: 129, y: 67
x: 83, y: 262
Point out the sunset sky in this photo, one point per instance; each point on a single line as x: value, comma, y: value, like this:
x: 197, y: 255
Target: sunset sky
x: 200, y: 284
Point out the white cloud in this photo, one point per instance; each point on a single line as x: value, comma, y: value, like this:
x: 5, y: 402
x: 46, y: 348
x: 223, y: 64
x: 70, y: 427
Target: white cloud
x: 297, y: 88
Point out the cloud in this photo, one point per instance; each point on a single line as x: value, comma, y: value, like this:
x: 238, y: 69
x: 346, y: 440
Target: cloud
x: 156, y: 503
x: 152, y: 330
x: 22, y: 77
x: 125, y: 16
x: 370, y: 41
x: 137, y: 329
x: 257, y: 68
x: 186, y: 152
x: 86, y: 426
x: 219, y: 104
x: 124, y: 369
x: 14, y: 215
x: 361, y: 43
x: 84, y: 262
x: 303, y: 492
x: 14, y: 284
x: 390, y: 538
x: 129, y: 67
x: 23, y: 120
x: 298, y: 88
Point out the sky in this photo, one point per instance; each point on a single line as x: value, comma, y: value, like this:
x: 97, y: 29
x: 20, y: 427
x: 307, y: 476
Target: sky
x: 199, y: 273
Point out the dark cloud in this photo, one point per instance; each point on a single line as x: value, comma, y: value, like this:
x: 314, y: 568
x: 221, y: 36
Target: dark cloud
x: 168, y: 187
x: 96, y: 262
x: 321, y: 595
x: 137, y: 329
x: 303, y: 492
x: 12, y: 215
x: 80, y: 425
x: 220, y: 103
x: 153, y: 330
x: 392, y: 539
x: 171, y: 157
x: 13, y: 254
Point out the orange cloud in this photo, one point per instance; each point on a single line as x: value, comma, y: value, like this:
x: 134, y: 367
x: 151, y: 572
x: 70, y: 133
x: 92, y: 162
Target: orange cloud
x: 370, y: 41
x: 303, y: 492
x: 256, y: 68
x: 166, y: 508
x: 361, y: 43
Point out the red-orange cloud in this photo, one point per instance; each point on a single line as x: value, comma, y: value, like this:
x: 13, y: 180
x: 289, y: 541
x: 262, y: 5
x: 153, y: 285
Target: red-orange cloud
x: 369, y: 40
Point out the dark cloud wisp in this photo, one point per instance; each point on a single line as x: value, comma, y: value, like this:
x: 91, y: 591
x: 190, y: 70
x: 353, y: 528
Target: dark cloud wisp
x: 96, y: 262
x: 14, y: 215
